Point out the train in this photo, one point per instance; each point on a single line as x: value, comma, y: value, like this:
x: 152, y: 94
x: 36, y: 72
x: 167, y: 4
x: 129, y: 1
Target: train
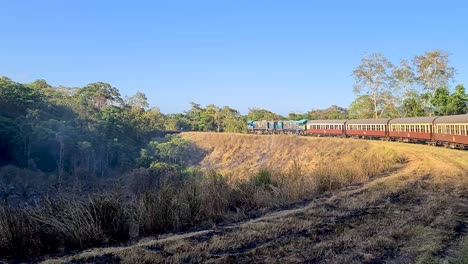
x: 449, y: 131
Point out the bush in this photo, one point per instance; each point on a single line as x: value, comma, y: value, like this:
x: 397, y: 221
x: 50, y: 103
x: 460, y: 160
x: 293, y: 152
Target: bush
x: 262, y: 178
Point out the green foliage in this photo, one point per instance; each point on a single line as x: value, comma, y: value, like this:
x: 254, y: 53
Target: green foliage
x: 361, y: 107
x: 407, y: 90
x: 262, y: 178
x: 414, y: 106
x: 262, y: 114
x: 333, y: 112
x: 298, y: 116
x: 445, y: 103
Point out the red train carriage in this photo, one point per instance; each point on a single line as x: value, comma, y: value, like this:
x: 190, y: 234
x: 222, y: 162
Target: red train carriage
x: 452, y: 131
x: 367, y: 128
x: 412, y: 129
x: 326, y: 127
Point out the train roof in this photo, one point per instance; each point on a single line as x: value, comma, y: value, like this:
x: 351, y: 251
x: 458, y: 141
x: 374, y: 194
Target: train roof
x: 452, y: 119
x: 379, y: 121
x: 413, y: 120
x: 328, y: 121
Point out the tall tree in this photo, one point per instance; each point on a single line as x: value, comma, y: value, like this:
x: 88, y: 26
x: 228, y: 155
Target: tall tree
x: 138, y: 101
x: 433, y: 71
x: 262, y: 114
x: 332, y: 112
x: 402, y: 81
x: 361, y: 107
x: 445, y: 103
x: 232, y: 121
x: 372, y: 77
x: 101, y: 94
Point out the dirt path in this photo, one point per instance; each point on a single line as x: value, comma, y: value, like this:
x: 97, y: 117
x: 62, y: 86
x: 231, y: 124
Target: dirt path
x: 418, y: 214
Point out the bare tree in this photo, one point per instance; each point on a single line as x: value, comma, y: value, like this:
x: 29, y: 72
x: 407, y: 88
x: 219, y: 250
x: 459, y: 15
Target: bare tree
x: 373, y: 78
x: 403, y: 81
x: 433, y: 71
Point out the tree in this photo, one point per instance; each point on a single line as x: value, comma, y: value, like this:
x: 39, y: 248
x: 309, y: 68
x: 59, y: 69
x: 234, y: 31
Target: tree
x: 373, y: 78
x: 332, y: 112
x: 361, y: 107
x: 445, y: 103
x: 433, y: 71
x: 232, y: 121
x: 413, y: 105
x: 262, y: 114
x: 100, y: 94
x: 138, y: 101
x: 211, y: 118
x: 402, y: 82
x: 459, y: 100
x: 297, y: 116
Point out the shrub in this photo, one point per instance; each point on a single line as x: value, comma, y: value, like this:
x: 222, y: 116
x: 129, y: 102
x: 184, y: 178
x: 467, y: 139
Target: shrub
x: 262, y: 178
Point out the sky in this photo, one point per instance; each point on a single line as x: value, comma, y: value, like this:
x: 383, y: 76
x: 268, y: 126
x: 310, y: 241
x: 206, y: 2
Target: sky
x: 280, y: 55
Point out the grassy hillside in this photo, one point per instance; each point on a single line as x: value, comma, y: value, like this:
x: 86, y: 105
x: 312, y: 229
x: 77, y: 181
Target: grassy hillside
x: 240, y: 155
x: 369, y: 202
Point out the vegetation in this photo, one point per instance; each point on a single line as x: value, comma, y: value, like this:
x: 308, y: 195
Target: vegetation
x: 413, y: 211
x: 85, y: 167
x: 406, y: 90
x: 165, y: 197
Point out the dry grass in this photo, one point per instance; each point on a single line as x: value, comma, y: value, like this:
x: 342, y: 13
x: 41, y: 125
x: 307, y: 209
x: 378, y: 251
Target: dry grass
x: 298, y: 168
x: 369, y: 202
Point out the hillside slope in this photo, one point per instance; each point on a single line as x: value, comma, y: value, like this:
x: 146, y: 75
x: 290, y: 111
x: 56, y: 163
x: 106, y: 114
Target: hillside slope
x: 416, y: 213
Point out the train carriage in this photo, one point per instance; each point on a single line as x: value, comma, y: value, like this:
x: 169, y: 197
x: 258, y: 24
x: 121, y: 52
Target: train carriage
x: 411, y: 129
x: 367, y: 128
x: 326, y: 127
x: 452, y: 131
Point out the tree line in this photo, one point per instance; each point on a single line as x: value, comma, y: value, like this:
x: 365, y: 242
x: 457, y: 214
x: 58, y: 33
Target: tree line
x: 409, y: 89
x: 93, y: 131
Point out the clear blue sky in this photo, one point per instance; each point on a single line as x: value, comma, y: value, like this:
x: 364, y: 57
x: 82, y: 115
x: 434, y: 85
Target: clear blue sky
x: 280, y: 55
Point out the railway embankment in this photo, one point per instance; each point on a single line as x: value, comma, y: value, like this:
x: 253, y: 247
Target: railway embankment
x: 362, y: 202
